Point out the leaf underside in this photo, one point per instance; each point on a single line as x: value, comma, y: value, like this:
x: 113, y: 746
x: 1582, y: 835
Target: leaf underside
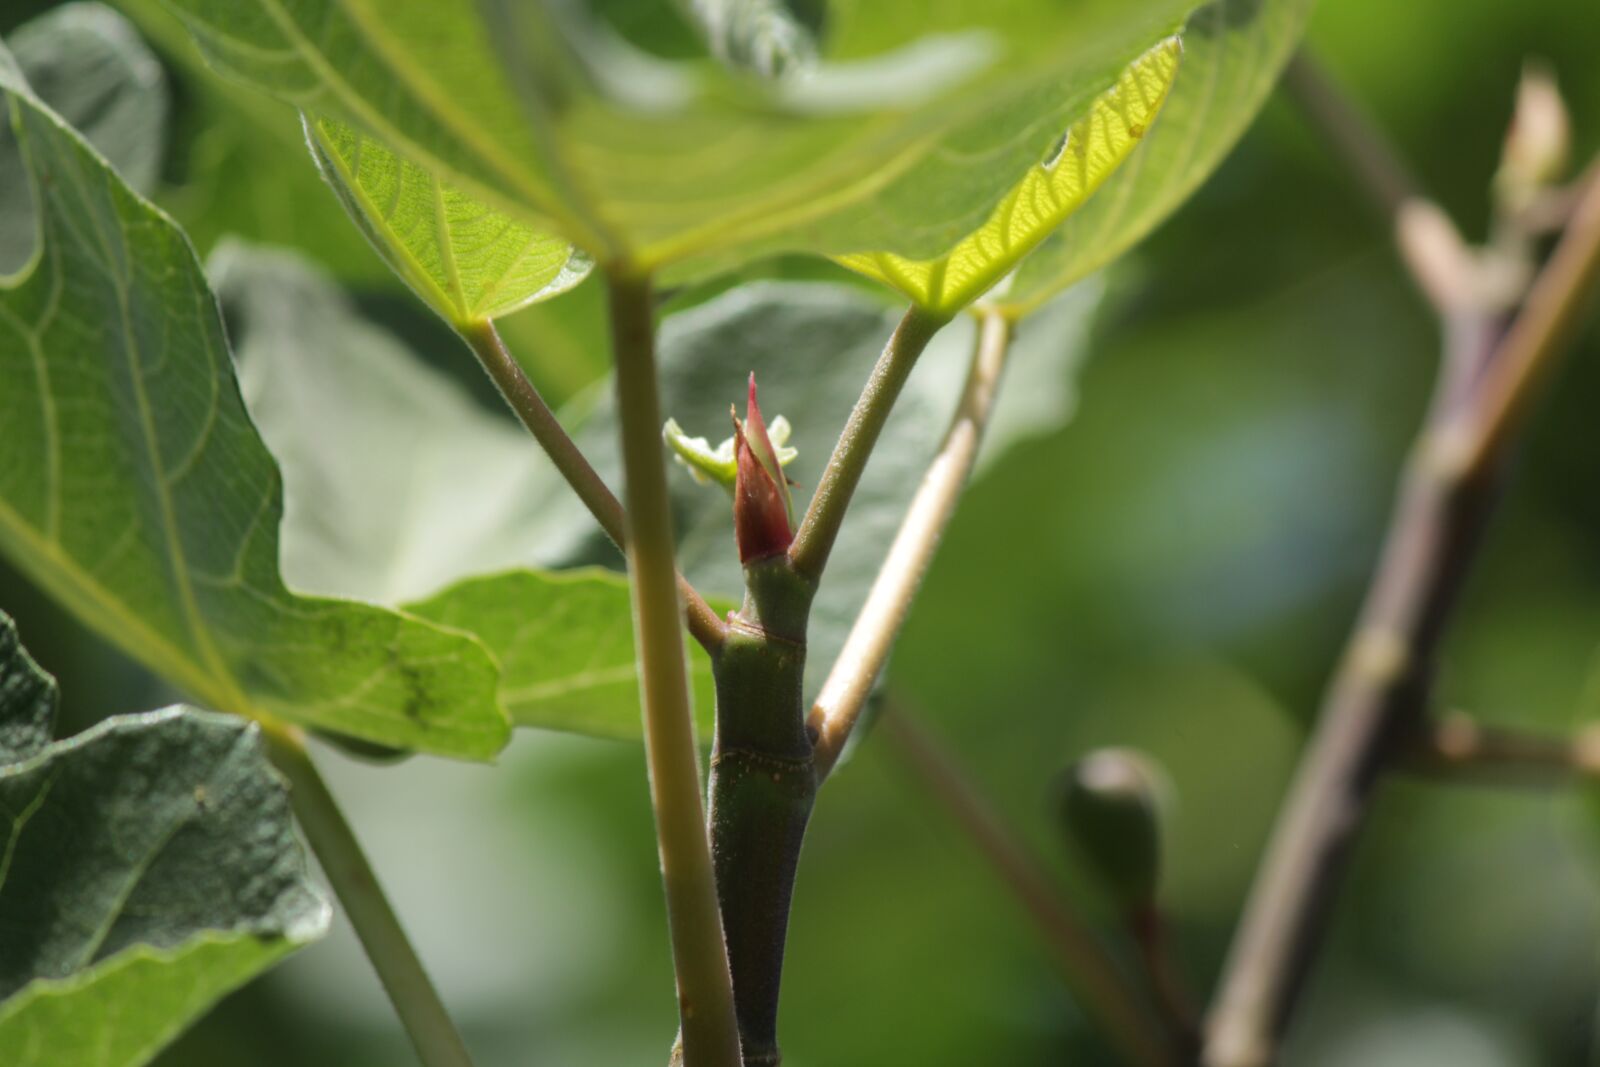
x: 404, y: 491
x: 1233, y: 52
x: 1094, y: 147
x: 467, y: 261
x: 134, y: 488
x: 913, y: 121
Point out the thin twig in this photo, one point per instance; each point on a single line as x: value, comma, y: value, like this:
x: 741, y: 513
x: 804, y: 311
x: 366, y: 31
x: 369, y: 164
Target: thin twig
x: 844, y: 693
x: 705, y: 990
x: 1459, y: 749
x: 1381, y: 687
x: 1105, y: 991
x: 415, y: 1000
x: 541, y: 422
x: 820, y: 527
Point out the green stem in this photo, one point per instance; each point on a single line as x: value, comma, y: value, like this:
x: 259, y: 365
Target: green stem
x: 820, y: 527
x: 524, y: 399
x: 415, y: 1000
x: 763, y: 785
x: 838, y: 705
x: 705, y: 993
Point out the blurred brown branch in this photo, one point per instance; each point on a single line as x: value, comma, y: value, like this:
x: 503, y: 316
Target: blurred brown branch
x: 1459, y: 748
x: 1381, y: 687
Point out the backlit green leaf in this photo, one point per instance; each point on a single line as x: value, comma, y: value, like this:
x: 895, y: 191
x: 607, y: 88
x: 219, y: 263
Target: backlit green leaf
x: 811, y: 347
x: 911, y: 123
x: 1093, y: 148
x: 467, y: 261
x: 134, y: 489
x: 151, y: 867
x: 1233, y: 52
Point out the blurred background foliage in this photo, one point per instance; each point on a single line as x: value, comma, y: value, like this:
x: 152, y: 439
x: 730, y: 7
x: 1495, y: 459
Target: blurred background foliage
x: 1173, y: 570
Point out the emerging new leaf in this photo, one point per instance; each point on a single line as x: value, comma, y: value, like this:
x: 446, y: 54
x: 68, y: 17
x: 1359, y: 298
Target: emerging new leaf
x: 765, y: 448
x: 707, y: 465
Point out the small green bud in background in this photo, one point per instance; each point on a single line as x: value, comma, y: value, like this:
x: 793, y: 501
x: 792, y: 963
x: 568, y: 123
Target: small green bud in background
x: 1109, y: 807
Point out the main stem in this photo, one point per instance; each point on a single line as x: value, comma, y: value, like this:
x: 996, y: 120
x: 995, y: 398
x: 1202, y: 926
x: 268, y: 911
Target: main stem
x: 764, y: 773
x: 415, y: 1000
x: 763, y: 784
x: 705, y: 994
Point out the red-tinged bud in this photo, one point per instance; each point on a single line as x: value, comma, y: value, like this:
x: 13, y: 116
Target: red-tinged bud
x: 760, y: 515
x: 755, y: 428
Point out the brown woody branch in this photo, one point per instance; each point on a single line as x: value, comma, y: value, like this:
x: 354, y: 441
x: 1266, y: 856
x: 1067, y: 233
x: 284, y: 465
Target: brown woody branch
x: 1380, y: 691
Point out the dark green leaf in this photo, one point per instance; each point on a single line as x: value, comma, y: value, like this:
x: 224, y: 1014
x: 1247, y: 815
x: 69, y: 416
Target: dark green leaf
x: 27, y: 699
x: 151, y: 867
x: 134, y: 488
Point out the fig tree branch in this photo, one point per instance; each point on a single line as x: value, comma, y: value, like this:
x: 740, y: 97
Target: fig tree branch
x: 1457, y: 748
x: 1380, y: 690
